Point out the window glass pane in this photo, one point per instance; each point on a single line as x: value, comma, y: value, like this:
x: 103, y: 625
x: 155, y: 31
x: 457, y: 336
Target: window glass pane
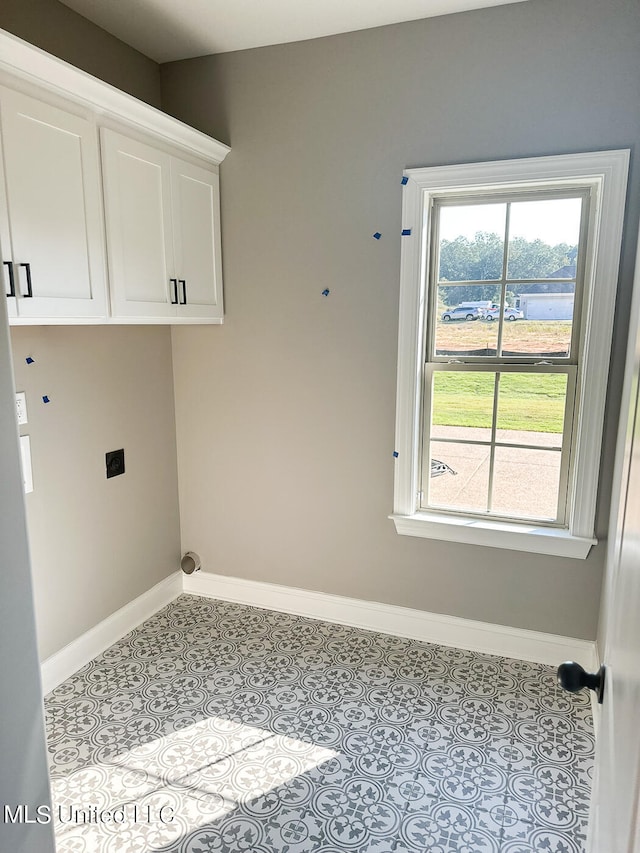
x: 461, y: 328
x: 543, y: 238
x: 543, y: 245
x: 459, y: 476
x: 526, y: 482
x: 540, y: 325
x: 471, y: 242
x: 531, y: 408
x: 462, y: 405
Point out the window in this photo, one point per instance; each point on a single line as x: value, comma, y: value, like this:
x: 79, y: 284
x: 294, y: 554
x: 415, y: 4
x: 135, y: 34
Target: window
x: 508, y: 283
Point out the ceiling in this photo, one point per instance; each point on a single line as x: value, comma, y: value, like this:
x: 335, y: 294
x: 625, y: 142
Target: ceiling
x: 179, y: 29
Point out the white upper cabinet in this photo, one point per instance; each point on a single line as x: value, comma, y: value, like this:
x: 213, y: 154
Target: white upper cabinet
x: 196, y: 239
x: 7, y: 272
x: 137, y: 193
x: 163, y: 233
x: 139, y: 243
x: 52, y: 243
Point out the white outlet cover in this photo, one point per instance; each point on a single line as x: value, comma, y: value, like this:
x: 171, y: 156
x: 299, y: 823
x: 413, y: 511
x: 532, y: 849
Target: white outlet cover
x: 21, y: 407
x: 27, y: 473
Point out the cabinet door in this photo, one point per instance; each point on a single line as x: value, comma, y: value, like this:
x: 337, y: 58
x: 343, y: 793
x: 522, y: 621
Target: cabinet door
x: 137, y: 189
x: 196, y: 230
x: 54, y: 206
x: 7, y: 275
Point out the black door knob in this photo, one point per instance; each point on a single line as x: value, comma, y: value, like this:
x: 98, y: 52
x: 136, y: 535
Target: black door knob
x: 572, y: 677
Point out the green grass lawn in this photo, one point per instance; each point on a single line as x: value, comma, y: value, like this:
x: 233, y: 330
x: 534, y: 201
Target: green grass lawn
x: 525, y: 402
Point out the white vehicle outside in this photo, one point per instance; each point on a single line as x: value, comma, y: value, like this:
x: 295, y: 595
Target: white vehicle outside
x: 509, y: 314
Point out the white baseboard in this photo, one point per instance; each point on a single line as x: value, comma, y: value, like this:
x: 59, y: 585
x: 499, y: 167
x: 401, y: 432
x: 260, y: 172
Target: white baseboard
x: 80, y: 651
x: 482, y: 637
x: 453, y: 631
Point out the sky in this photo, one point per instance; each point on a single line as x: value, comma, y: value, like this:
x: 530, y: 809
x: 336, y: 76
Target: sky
x: 551, y: 220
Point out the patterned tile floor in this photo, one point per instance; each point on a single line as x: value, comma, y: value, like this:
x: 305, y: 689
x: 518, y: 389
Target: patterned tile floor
x: 219, y: 728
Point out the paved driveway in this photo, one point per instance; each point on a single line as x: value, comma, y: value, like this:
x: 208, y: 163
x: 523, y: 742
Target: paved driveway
x: 525, y: 481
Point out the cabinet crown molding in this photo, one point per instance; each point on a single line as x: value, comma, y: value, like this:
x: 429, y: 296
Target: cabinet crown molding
x: 22, y: 60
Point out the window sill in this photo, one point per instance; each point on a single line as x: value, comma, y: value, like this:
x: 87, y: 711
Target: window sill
x: 494, y: 534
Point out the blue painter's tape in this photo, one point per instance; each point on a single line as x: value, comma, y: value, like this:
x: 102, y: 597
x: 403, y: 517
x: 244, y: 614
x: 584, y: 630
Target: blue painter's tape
x: 406, y: 232
x: 326, y: 291
x: 395, y: 454
x: 29, y: 360
x: 404, y: 181
x: 377, y: 235
x: 45, y: 399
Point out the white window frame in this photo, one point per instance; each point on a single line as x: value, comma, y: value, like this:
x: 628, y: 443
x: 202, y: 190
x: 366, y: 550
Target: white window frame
x: 605, y: 172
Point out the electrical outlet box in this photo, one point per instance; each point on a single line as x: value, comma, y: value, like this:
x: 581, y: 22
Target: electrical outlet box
x: 115, y: 463
x: 21, y: 407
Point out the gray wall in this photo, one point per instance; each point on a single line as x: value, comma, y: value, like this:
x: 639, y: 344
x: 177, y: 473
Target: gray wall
x: 95, y: 543
x: 57, y: 29
x: 24, y: 777
x: 285, y: 415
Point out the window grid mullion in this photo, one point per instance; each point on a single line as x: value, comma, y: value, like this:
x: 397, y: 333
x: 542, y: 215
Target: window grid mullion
x: 508, y: 444
x: 482, y: 282
x: 492, y: 455
x: 503, y: 283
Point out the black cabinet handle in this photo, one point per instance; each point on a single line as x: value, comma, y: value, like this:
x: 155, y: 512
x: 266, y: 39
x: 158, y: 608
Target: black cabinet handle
x: 184, y: 291
x: 12, y: 281
x: 174, y: 282
x: 29, y: 288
